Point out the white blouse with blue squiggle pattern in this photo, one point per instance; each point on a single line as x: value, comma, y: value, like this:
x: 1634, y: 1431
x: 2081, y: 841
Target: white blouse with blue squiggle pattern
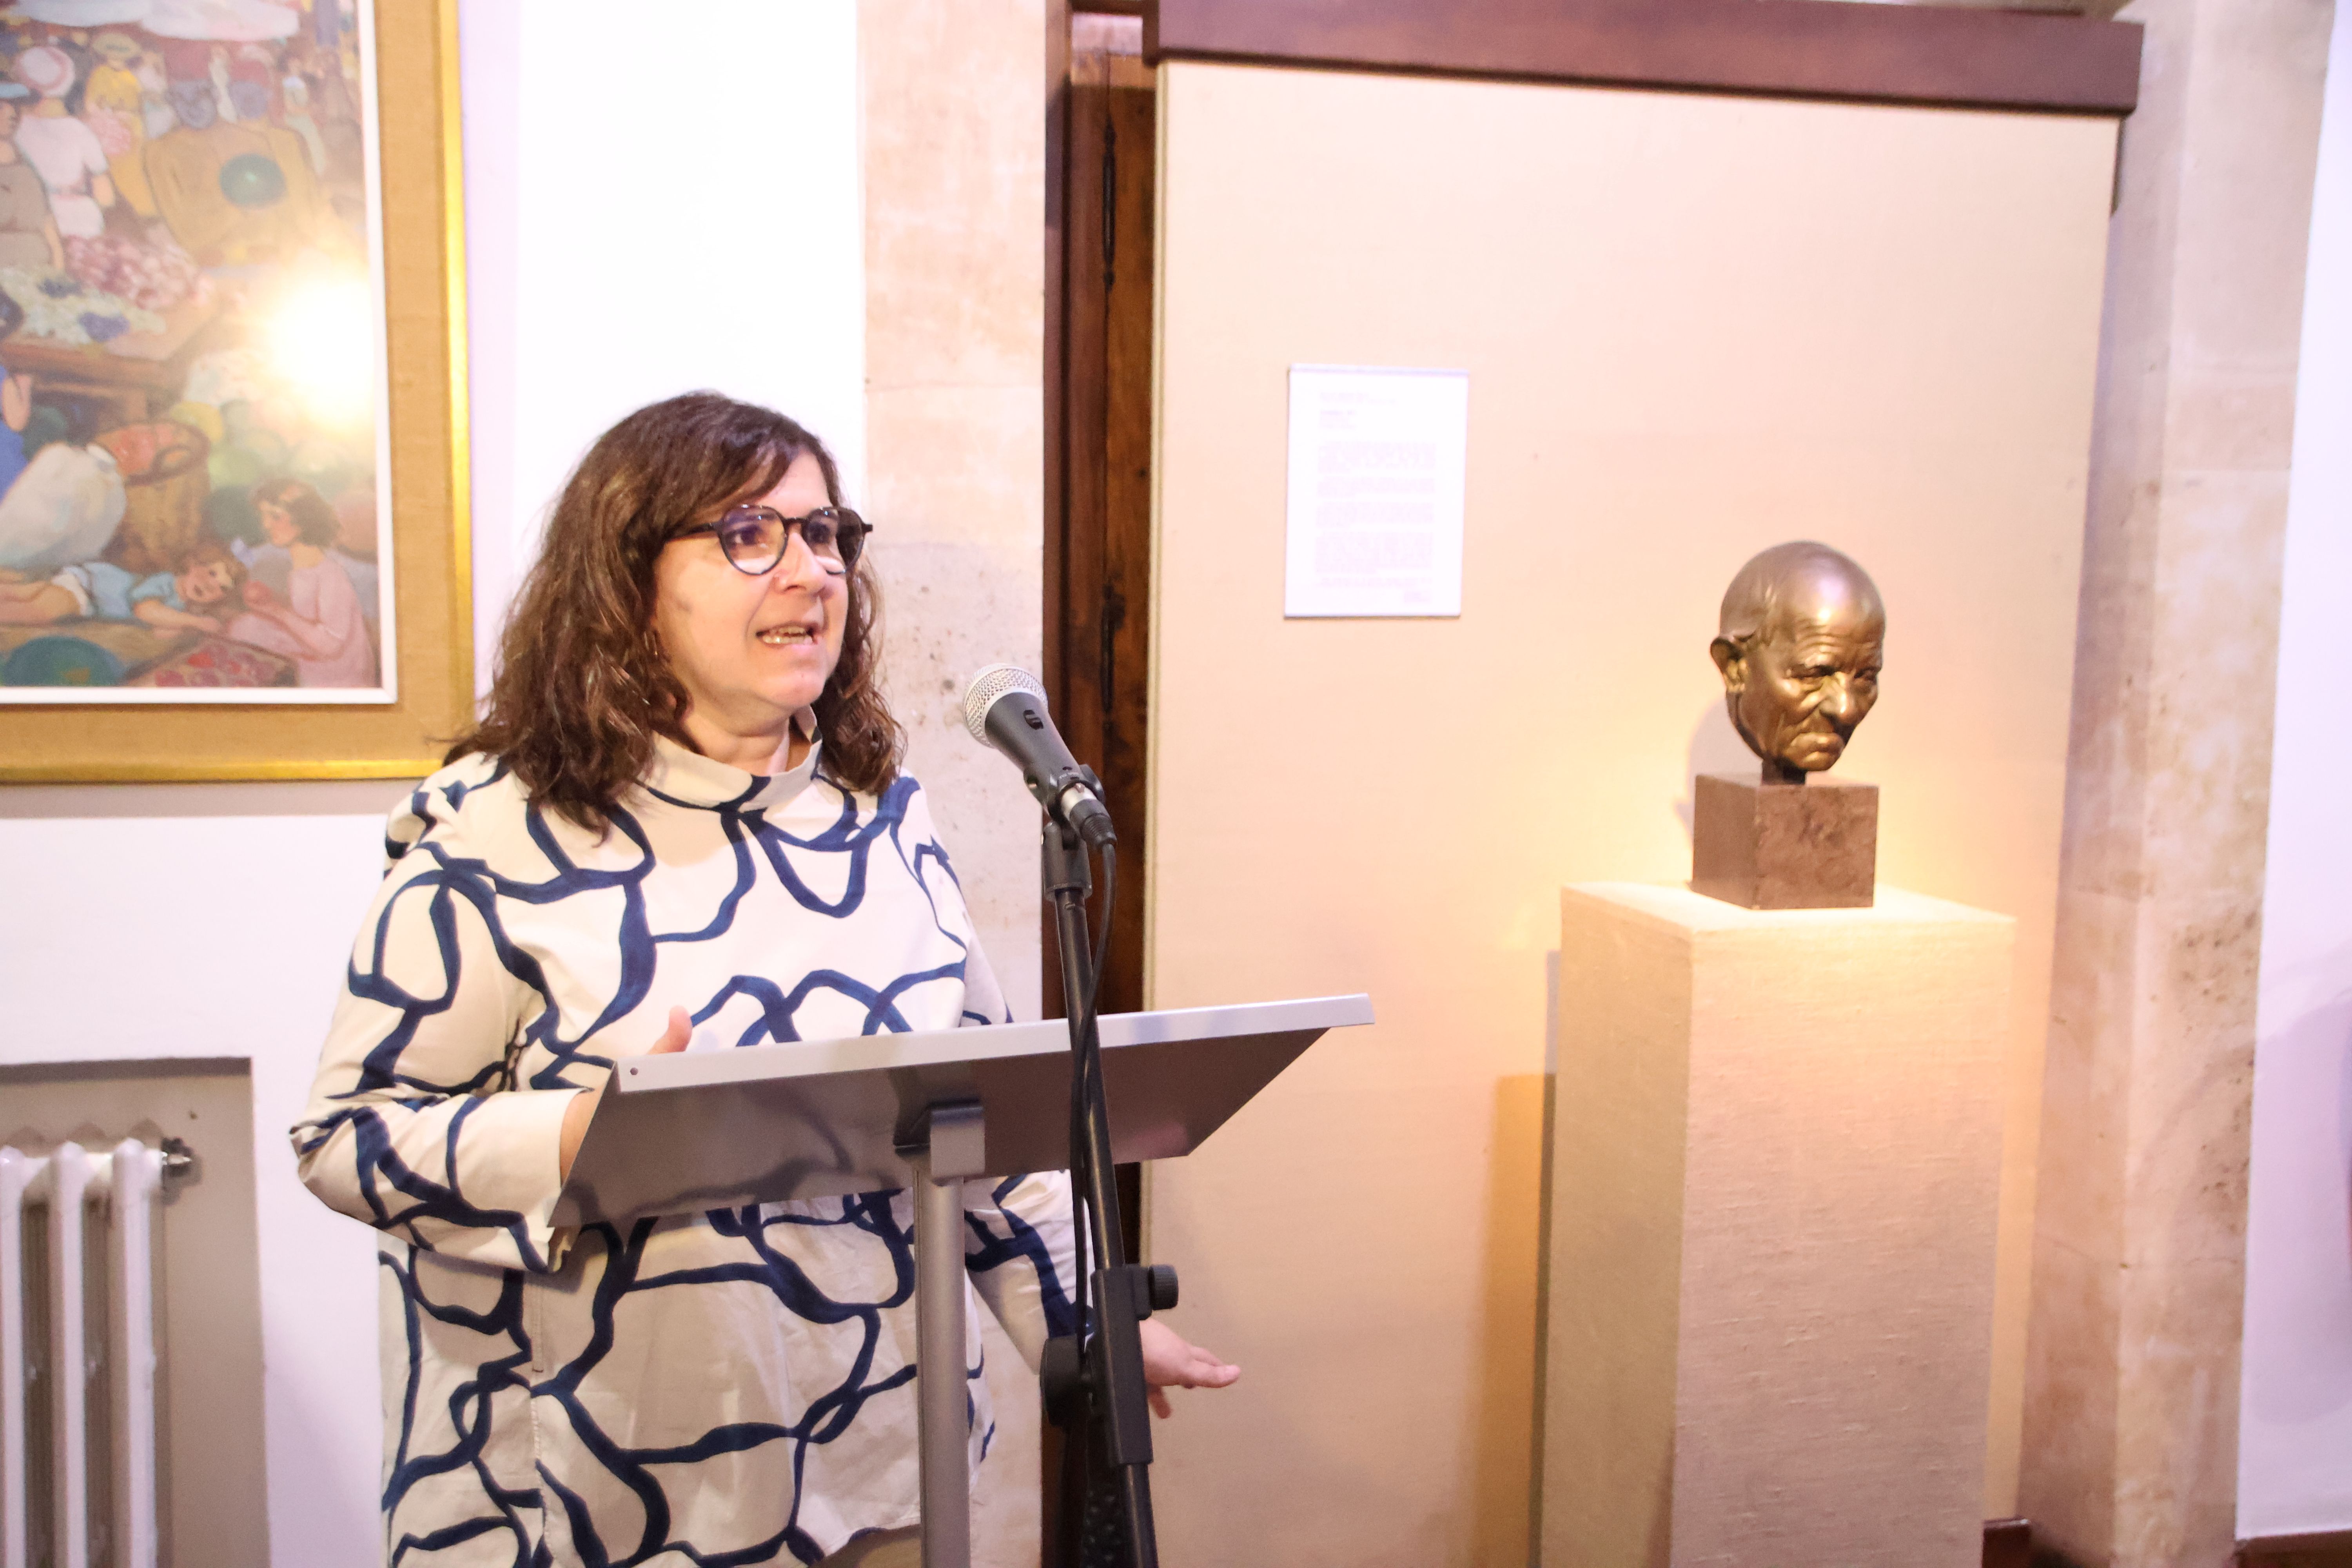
x: 730, y: 1387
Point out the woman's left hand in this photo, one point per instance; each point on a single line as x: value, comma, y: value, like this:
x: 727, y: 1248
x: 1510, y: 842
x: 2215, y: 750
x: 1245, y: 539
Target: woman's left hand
x: 576, y: 1115
x: 1169, y: 1361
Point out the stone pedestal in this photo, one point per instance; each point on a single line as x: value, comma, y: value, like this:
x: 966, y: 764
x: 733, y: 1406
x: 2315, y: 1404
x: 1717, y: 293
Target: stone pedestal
x: 1776, y: 1167
x: 1771, y: 846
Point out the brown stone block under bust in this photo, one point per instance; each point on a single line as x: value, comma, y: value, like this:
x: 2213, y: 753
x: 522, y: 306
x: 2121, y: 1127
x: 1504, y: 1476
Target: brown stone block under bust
x: 1784, y: 846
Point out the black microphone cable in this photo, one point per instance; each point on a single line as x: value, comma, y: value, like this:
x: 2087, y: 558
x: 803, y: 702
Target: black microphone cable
x: 1086, y: 1072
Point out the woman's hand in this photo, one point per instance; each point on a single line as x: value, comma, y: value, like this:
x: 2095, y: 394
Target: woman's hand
x: 583, y: 1105
x: 1169, y: 1361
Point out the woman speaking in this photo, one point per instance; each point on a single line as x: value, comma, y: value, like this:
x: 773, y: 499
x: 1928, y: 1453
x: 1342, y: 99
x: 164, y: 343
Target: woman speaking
x: 680, y: 819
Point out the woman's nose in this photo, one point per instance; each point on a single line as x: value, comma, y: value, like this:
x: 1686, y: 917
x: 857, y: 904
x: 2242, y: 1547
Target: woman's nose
x: 800, y: 567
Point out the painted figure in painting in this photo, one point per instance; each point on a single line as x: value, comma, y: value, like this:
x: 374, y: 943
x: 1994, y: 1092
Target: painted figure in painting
x: 189, y: 494
x: 319, y: 622
x: 100, y: 590
x: 64, y: 149
x: 115, y: 104
x: 28, y: 233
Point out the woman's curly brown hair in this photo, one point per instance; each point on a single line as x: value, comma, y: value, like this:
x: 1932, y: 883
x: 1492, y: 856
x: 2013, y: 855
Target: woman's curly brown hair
x: 581, y: 687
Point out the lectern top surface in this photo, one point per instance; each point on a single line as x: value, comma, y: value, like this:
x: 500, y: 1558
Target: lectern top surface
x: 931, y: 1047
x: 716, y: 1129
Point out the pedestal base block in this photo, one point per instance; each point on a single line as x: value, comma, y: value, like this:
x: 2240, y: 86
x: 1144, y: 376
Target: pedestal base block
x: 1784, y: 846
x: 1776, y: 1168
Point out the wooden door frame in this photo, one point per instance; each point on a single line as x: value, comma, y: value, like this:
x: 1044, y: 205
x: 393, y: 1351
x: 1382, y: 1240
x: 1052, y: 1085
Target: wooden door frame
x: 1095, y: 518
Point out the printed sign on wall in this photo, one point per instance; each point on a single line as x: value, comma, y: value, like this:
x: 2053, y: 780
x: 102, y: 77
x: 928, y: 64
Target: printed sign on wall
x: 1377, y: 465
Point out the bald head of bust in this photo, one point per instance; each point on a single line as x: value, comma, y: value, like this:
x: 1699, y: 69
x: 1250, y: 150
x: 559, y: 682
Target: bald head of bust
x: 1799, y: 645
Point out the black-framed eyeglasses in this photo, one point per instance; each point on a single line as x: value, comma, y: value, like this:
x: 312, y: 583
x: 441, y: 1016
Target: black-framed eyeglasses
x: 754, y: 537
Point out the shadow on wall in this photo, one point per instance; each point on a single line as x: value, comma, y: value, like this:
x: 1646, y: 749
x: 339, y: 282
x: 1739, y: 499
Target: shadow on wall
x: 1543, y: 1244
x: 1715, y: 748
x: 1511, y: 1402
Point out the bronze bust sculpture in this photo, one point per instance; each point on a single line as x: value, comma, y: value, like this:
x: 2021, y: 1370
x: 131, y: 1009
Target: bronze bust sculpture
x: 1798, y: 644
x: 1798, y: 648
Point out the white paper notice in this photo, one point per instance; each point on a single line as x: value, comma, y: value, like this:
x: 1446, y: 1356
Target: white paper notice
x: 1377, y: 463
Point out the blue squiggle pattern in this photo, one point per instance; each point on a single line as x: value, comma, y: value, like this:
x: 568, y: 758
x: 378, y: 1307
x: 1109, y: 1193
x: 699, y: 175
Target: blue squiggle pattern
x: 735, y: 1387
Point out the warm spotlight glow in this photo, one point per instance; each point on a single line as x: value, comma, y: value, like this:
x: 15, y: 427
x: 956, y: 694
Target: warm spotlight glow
x: 320, y: 343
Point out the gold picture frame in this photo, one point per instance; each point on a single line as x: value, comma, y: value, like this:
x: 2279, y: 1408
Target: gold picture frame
x: 423, y: 207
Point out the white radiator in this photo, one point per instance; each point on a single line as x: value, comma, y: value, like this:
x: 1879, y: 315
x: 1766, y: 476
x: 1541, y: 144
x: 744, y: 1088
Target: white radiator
x: 112, y: 1194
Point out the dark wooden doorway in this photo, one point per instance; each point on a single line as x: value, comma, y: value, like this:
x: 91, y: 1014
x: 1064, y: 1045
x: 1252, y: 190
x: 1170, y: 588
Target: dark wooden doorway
x: 1101, y: 157
x: 1098, y: 525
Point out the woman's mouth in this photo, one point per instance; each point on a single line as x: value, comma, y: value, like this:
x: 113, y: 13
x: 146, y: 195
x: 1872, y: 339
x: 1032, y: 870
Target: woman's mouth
x: 788, y: 636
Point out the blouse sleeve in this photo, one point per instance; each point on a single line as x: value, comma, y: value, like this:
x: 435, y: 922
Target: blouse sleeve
x: 414, y: 1124
x: 1018, y: 1247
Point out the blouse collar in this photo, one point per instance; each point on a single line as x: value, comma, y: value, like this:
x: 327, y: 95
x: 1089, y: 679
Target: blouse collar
x: 692, y: 779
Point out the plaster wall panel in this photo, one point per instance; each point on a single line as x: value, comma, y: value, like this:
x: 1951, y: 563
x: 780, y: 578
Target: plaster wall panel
x: 1693, y: 327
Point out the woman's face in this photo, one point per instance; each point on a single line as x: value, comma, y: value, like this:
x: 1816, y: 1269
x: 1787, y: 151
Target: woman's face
x: 278, y: 523
x: 753, y: 651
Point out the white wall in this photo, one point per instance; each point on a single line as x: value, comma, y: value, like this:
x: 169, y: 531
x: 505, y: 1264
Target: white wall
x: 214, y: 920
x: 651, y: 208
x: 2295, y: 1453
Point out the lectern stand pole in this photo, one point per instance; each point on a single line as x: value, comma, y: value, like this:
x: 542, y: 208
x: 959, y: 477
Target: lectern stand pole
x: 953, y: 1152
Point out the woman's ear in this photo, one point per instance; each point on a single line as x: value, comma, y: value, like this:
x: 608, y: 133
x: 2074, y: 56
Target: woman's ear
x: 1732, y: 661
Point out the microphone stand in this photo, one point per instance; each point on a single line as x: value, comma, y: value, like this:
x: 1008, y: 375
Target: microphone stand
x: 1094, y: 1388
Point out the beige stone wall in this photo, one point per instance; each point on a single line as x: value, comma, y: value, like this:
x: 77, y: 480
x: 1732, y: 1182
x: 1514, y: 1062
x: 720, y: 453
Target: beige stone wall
x: 2129, y: 1452
x: 955, y: 160
x: 955, y: 180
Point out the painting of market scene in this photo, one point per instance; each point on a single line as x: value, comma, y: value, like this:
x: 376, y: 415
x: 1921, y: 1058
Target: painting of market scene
x: 189, y: 380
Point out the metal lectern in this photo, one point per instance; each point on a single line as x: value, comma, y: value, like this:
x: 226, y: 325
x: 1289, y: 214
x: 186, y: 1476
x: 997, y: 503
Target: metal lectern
x: 719, y: 1128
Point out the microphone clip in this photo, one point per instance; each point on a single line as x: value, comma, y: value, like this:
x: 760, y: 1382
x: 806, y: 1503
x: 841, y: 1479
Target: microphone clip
x: 1073, y: 796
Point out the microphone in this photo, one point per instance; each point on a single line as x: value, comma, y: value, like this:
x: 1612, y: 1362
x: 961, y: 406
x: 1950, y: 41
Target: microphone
x: 1004, y: 707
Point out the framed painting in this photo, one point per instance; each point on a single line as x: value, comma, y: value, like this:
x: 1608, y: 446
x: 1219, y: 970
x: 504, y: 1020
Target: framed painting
x: 233, y: 533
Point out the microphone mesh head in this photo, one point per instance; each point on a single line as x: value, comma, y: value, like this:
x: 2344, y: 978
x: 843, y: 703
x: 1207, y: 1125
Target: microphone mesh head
x: 991, y: 684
